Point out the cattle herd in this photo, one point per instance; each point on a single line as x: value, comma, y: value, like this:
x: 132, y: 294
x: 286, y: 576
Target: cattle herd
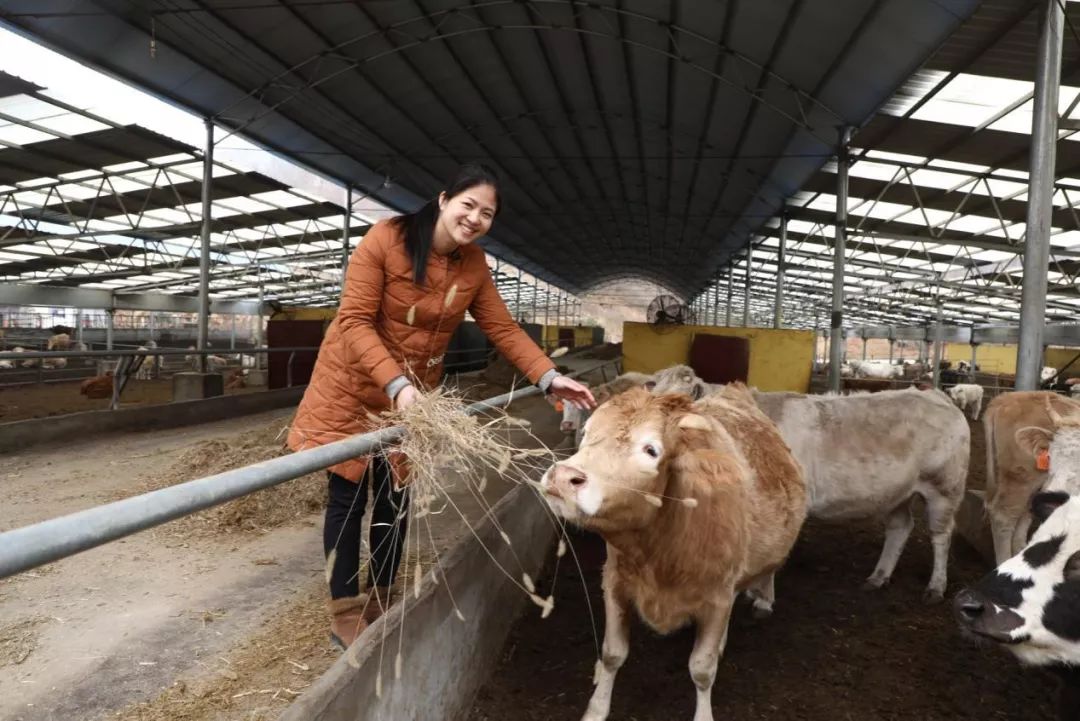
x: 700, y: 491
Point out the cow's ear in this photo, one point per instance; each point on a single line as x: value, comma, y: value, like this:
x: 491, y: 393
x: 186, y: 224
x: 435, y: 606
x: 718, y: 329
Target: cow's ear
x: 1034, y: 440
x: 1045, y: 503
x: 692, y: 421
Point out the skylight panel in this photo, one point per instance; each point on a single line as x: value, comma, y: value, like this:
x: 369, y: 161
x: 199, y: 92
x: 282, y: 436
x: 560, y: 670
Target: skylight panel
x: 898, y: 157
x: 71, y: 124
x: 972, y: 99
x: 22, y: 135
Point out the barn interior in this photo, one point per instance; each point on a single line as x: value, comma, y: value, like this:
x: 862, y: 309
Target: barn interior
x: 764, y: 190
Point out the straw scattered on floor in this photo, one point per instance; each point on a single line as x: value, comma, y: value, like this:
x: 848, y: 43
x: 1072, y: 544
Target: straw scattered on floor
x: 18, y: 640
x: 256, y: 512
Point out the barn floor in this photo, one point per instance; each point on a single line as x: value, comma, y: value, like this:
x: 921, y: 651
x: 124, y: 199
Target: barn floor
x: 831, y: 652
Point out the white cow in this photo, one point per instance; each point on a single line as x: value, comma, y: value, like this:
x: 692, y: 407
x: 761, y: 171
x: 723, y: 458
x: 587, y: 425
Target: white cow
x: 868, y: 454
x: 875, y: 369
x: 7, y: 364
x: 146, y: 370
x: 54, y: 363
x: 32, y: 363
x: 1047, y: 373
x: 968, y: 397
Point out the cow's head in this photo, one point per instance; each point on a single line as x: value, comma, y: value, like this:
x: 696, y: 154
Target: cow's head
x: 635, y: 456
x: 1030, y: 604
x: 680, y: 379
x: 1059, y: 446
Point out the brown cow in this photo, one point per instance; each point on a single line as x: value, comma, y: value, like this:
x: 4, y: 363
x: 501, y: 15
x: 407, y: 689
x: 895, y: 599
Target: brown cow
x: 696, y: 501
x: 1011, y: 474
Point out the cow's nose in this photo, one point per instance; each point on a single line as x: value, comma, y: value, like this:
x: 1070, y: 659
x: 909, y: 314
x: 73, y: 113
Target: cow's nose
x: 565, y: 473
x: 969, y: 606
x: 567, y: 427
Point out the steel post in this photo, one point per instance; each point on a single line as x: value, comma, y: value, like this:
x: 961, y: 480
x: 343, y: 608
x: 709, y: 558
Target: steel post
x: 78, y: 325
x: 974, y: 352
x: 204, y: 251
x: 730, y: 288
x: 109, y: 326
x: 892, y: 348
x: 517, y: 299
x: 939, y: 329
x: 778, y: 310
x: 746, y: 287
x: 864, y: 346
x: 153, y: 325
x: 1029, y: 354
x: 836, y: 335
x: 536, y: 294
x: 259, y: 329
x: 345, y: 230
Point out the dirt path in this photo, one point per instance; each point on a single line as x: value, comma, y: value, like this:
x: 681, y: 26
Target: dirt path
x: 167, y: 624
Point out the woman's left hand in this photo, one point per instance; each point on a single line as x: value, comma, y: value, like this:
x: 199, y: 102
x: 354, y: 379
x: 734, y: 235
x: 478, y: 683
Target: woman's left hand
x: 572, y: 392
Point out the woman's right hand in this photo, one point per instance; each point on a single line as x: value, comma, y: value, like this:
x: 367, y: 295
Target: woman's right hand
x: 406, y: 397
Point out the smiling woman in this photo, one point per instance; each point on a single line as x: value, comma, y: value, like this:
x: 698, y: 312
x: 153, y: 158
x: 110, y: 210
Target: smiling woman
x: 408, y: 287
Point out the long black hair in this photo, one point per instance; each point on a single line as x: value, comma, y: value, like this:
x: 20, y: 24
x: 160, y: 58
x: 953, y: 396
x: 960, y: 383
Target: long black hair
x: 419, y: 226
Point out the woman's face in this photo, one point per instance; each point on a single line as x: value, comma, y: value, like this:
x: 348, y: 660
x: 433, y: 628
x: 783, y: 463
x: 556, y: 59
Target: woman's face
x: 468, y: 215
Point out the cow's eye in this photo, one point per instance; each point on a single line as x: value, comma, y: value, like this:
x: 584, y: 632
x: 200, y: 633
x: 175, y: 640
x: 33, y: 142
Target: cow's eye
x: 651, y: 451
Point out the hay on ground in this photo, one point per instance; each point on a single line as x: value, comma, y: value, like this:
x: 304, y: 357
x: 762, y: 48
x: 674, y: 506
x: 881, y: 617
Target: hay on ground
x: 256, y: 512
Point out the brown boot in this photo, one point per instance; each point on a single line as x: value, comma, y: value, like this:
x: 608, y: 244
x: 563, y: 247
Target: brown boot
x: 380, y: 601
x: 347, y: 619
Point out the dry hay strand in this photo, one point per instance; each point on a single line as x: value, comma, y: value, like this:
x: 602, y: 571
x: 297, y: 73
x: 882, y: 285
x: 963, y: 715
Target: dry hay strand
x: 256, y: 512
x: 442, y: 442
x: 18, y: 640
x: 259, y: 677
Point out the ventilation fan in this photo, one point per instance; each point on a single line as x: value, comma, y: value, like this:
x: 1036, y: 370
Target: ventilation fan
x: 667, y: 311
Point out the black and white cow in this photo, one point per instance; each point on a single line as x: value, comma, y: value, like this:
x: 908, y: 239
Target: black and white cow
x: 1030, y: 604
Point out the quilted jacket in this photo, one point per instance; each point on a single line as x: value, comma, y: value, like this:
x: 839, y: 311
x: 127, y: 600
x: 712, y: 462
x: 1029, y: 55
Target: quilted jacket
x: 388, y: 326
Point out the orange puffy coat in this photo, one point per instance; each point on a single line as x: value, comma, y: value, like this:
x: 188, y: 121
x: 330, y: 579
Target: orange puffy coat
x: 388, y: 326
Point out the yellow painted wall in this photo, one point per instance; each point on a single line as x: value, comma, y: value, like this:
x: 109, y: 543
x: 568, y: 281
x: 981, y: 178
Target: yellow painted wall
x: 780, y: 360
x: 990, y: 357
x: 1002, y: 358
x: 582, y: 335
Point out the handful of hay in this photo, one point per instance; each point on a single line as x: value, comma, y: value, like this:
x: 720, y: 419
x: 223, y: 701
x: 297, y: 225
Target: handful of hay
x: 443, y: 442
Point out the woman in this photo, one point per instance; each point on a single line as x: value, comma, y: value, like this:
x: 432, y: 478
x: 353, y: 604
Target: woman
x: 408, y: 286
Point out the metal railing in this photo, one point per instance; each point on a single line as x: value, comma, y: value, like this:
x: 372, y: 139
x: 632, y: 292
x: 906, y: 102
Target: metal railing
x: 25, y: 548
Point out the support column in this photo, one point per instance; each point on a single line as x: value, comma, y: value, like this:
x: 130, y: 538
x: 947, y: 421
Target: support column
x: 1029, y: 354
x: 730, y: 288
x: 836, y: 336
x: 153, y: 326
x: 110, y: 314
x: 746, y: 287
x: 778, y: 306
x: 345, y: 229
x: 864, y: 346
x: 536, y: 294
x: 938, y: 346
x: 259, y: 359
x: 892, y: 348
x: 517, y: 299
x: 974, y: 352
x: 232, y: 332
x: 79, y: 325
x: 204, y: 253
x: 547, y: 305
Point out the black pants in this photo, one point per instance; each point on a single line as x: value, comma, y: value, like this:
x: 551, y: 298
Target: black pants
x: 343, y: 528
